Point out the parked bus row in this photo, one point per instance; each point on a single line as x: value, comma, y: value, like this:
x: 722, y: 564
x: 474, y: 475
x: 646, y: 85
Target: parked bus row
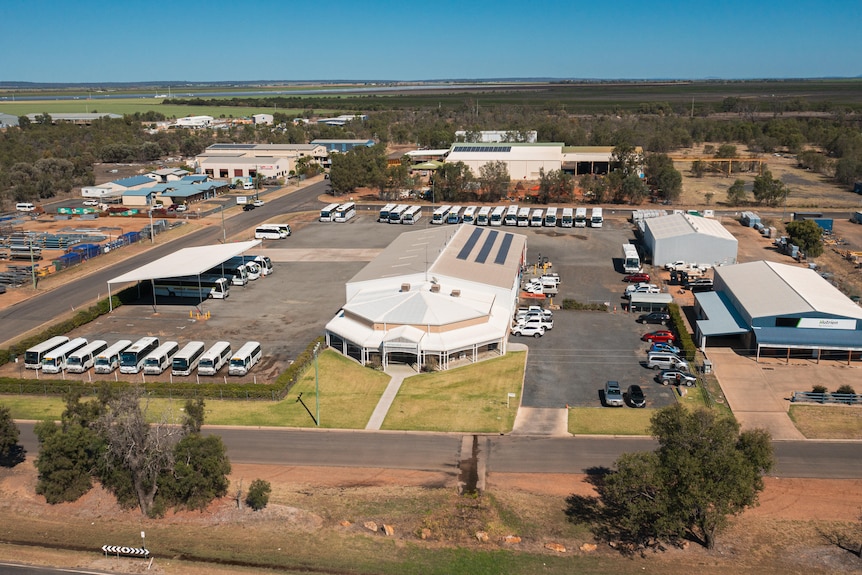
x: 511, y: 215
x: 338, y: 212
x: 148, y: 355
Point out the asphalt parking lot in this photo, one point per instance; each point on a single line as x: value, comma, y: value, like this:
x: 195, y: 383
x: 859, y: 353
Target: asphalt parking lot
x: 288, y: 309
x: 570, y: 364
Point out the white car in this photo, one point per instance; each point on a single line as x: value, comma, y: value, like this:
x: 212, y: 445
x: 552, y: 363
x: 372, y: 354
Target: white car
x: 258, y: 203
x: 91, y: 202
x: 528, y: 330
x: 639, y: 286
x: 182, y: 208
x: 535, y: 320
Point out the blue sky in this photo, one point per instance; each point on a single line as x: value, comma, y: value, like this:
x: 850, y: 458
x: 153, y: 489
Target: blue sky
x: 131, y: 40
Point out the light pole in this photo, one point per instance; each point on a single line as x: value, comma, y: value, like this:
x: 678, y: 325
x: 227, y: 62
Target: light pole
x: 316, y: 383
x: 152, y: 230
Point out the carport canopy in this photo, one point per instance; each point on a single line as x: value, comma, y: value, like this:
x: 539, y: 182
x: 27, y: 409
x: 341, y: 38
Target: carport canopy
x: 185, y: 262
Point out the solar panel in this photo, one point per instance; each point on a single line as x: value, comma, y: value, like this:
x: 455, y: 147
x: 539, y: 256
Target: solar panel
x: 471, y: 242
x: 503, y: 252
x: 486, y: 247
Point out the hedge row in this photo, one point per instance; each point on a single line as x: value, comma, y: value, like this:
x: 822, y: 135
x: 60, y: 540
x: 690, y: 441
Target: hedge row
x: 686, y: 344
x: 175, y: 390
x: 576, y: 305
x: 82, y: 317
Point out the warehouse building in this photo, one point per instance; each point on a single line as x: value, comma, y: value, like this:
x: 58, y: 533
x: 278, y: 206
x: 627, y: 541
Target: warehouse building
x: 689, y: 238
x: 524, y: 161
x: 230, y: 161
x: 779, y: 308
x: 434, y: 297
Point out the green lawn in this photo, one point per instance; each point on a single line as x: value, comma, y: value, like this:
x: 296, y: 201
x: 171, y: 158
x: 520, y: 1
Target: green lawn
x: 609, y: 421
x: 465, y: 399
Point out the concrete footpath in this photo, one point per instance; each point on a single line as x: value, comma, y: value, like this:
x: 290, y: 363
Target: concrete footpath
x: 398, y: 373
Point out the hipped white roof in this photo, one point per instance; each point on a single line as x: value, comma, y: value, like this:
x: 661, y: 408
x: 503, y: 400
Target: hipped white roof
x: 186, y: 262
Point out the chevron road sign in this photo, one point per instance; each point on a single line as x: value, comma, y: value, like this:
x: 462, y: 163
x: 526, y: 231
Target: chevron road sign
x: 129, y: 551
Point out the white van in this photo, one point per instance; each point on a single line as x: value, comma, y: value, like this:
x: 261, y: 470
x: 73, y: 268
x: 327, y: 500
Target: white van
x: 248, y: 185
x: 160, y: 358
x: 244, y: 359
x: 665, y: 360
x: 25, y: 207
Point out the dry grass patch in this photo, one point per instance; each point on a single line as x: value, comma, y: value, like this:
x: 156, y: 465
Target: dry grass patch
x: 609, y: 421
x: 827, y: 421
x: 471, y: 398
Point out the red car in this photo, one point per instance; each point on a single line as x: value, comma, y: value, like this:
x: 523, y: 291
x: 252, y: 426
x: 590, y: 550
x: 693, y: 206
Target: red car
x: 661, y: 335
x: 636, y: 278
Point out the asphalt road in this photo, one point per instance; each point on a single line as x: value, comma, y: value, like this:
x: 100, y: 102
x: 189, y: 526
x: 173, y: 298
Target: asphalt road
x: 502, y: 453
x: 34, y: 312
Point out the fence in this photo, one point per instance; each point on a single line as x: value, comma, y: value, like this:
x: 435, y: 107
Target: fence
x: 814, y: 397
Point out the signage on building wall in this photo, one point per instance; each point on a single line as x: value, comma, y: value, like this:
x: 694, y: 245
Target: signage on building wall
x: 826, y: 323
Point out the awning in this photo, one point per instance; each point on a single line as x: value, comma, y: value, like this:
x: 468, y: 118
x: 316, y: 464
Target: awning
x: 722, y: 317
x: 186, y: 262
x: 805, y: 338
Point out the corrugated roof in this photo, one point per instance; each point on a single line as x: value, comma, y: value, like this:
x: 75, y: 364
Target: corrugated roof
x: 722, y: 318
x: 133, y: 181
x: 419, y: 306
x: 772, y: 289
x: 676, y: 225
x: 185, y: 262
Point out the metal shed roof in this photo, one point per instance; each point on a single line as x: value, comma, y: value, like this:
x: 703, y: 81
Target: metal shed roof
x: 676, y: 225
x: 723, y: 319
x: 185, y: 262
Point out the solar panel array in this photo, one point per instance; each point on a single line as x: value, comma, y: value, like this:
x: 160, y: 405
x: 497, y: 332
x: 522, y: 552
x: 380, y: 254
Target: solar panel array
x: 482, y: 149
x: 487, y: 246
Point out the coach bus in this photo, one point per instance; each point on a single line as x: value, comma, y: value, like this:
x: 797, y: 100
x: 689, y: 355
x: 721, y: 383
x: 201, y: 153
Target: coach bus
x: 345, y: 212
x: 206, y: 286
x: 396, y: 212
x: 568, y: 219
x: 132, y: 359
x: 411, y: 215
x: 328, y: 213
x: 440, y: 214
x: 484, y: 217
x: 511, y: 217
x: 55, y: 360
x: 454, y: 215
x: 551, y: 217
x: 469, y: 215
x: 383, y: 215
x: 33, y: 356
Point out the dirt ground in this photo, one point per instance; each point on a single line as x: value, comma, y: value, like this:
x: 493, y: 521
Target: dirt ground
x: 325, y: 501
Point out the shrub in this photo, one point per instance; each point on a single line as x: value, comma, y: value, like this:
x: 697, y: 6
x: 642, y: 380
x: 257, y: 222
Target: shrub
x: 258, y: 494
x: 686, y: 344
x: 848, y: 389
x: 576, y: 305
x: 818, y: 388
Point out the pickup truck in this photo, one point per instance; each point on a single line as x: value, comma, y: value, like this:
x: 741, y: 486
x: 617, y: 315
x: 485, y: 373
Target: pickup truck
x: 678, y: 265
x: 536, y: 320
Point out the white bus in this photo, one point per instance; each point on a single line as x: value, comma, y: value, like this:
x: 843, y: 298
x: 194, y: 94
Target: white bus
x: 33, y: 356
x: 536, y: 218
x: 55, y: 360
x: 345, y: 212
x: 269, y: 232
x: 202, y: 287
x: 440, y: 214
x: 186, y: 360
x: 395, y: 213
x: 596, y: 218
x: 497, y: 215
x: 82, y: 360
x: 214, y: 358
x: 236, y: 273
x: 327, y: 213
x: 580, y: 217
x: 133, y: 357
x: 160, y: 358
x: 484, y: 216
x: 109, y: 360
x: 454, y: 215
x: 551, y: 217
x: 511, y: 217
x: 568, y: 219
x: 631, y: 259
x: 244, y: 359
x: 383, y: 216
x: 469, y: 215
x: 263, y: 262
x: 523, y: 217
x: 411, y: 215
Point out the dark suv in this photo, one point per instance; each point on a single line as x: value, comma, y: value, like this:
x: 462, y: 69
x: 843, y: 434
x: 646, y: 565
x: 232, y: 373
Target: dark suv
x: 655, y: 317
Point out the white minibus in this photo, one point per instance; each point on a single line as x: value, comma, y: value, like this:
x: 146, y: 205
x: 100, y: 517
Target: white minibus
x: 469, y: 215
x: 133, y: 357
x: 345, y: 212
x: 411, y: 215
x: 551, y: 217
x: 511, y: 218
x: 82, y: 360
x: 523, y: 217
x: 214, y: 358
x: 395, y: 213
x: 568, y: 219
x: 484, y: 217
x: 160, y: 358
x: 596, y: 218
x: 580, y: 217
x: 267, y: 233
x: 186, y: 360
x: 109, y: 360
x: 328, y: 213
x: 33, y: 356
x: 497, y: 215
x: 55, y: 361
x: 536, y: 218
x: 383, y: 216
x: 245, y: 358
x: 439, y: 215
